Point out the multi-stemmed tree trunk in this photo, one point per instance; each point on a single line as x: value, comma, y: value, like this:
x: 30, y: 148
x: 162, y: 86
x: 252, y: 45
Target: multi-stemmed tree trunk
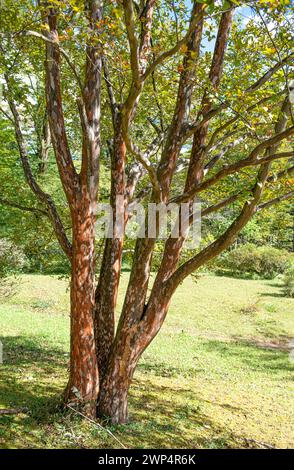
x: 102, y: 360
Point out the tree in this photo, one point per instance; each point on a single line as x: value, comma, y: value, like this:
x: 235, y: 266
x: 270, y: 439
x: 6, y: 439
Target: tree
x: 211, y: 124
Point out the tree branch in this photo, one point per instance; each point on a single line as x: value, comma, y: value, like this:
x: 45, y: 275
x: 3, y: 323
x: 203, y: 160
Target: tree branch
x: 146, y: 18
x: 133, y: 41
x: 276, y: 200
x: 62, y: 51
x: 175, y: 136
x: 190, y: 129
x: 34, y: 210
x: 196, y: 171
x: 171, y: 52
x: 236, y: 117
x: 288, y: 172
x: 255, y: 86
x: 220, y: 205
x: 248, y: 210
x: 6, y: 114
x: 41, y: 195
x: 225, y: 240
x: 251, y: 160
x: 68, y: 174
x: 143, y: 158
x: 92, y: 99
x: 214, y: 160
x: 234, y: 197
x: 110, y: 91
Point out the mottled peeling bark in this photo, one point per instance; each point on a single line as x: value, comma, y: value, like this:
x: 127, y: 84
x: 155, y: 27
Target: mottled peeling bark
x: 83, y: 385
x: 107, y: 288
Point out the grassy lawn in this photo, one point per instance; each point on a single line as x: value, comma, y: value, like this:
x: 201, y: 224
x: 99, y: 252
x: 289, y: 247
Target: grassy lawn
x: 218, y: 374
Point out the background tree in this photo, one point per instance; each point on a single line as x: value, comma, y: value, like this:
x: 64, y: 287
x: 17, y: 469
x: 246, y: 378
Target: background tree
x: 211, y: 125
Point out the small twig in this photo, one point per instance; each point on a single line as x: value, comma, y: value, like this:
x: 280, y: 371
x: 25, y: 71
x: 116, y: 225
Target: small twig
x: 98, y: 425
x: 263, y: 444
x: 13, y: 411
x: 6, y: 114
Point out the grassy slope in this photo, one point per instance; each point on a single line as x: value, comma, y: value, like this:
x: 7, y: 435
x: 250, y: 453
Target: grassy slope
x: 217, y: 375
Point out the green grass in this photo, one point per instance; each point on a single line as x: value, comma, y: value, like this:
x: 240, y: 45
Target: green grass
x: 218, y: 374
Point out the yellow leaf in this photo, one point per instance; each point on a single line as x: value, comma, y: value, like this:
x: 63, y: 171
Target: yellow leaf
x: 269, y: 50
x: 184, y: 48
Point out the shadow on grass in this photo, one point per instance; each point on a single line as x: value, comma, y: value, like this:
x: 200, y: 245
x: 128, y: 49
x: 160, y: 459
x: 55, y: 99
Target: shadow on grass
x: 32, y: 377
x: 239, y: 275
x: 231, y: 274
x: 161, y: 369
x: 29, y: 350
x: 29, y: 380
x: 273, y: 294
x: 248, y: 354
x: 251, y: 355
x: 276, y: 285
x: 162, y: 416
x: 279, y: 343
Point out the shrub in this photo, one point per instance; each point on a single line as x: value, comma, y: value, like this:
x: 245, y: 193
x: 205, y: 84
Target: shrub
x: 273, y: 261
x: 288, y: 280
x: 12, y: 261
x: 265, y: 261
x: 12, y: 258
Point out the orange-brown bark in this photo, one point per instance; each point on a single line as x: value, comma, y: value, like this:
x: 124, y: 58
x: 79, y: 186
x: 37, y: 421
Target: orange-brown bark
x: 83, y: 385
